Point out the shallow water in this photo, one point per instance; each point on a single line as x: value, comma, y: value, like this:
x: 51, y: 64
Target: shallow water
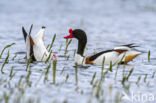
x: 108, y: 23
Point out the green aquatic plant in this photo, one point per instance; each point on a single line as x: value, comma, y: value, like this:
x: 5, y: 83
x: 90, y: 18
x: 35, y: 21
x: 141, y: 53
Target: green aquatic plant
x: 116, y: 73
x: 6, y: 60
x: 93, y: 77
x: 39, y: 79
x: 12, y: 74
x: 153, y: 74
x: 125, y: 78
x: 67, y: 58
x: 20, y: 80
x: 76, y: 74
x: 28, y: 77
x: 49, y: 57
x: 6, y: 97
x: 145, y: 78
x: 54, y: 71
x: 47, y: 72
x: 130, y: 72
x: 98, y: 89
x: 48, y: 46
x: 67, y: 76
x: 138, y: 80
x: 60, y: 47
x: 123, y: 72
x: 110, y: 66
x: 52, y: 42
x: 74, y: 52
x: 7, y: 46
x: 102, y: 69
x: 120, y: 62
x: 14, y: 57
x: 67, y: 44
x: 149, y: 54
x: 117, y: 98
x: 28, y: 63
x: 62, y: 70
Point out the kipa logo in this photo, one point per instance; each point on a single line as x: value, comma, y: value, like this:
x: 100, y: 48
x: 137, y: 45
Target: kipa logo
x: 139, y: 97
x: 142, y: 97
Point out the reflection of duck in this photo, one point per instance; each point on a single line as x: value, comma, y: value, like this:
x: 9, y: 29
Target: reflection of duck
x: 36, y: 50
x: 123, y: 52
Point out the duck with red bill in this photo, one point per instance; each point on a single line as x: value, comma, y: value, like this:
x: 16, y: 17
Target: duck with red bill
x: 126, y: 53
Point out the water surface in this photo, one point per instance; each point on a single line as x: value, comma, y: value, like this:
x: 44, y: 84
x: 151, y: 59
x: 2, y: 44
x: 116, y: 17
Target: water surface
x: 108, y: 23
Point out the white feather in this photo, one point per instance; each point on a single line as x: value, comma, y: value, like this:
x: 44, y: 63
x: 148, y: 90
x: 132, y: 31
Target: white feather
x: 28, y: 47
x: 108, y: 57
x: 79, y: 59
x: 122, y: 48
x: 40, y: 51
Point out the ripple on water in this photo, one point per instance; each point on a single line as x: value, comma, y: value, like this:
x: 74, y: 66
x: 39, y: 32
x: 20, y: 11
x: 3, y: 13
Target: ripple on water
x: 107, y: 24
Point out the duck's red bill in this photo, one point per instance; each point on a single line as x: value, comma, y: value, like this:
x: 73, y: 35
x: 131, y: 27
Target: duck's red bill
x: 70, y: 36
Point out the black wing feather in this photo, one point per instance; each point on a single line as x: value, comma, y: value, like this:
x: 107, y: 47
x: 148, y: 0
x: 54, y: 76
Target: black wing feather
x: 132, y: 45
x: 25, y: 34
x: 93, y: 57
x: 32, y: 57
x: 30, y: 29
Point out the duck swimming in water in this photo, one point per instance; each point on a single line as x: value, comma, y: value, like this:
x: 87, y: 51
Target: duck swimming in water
x: 123, y: 53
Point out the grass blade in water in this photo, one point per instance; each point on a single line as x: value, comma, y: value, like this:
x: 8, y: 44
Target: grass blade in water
x: 130, y: 72
x: 7, y: 46
x: 102, y: 69
x: 28, y: 77
x: 53, y: 40
x: 60, y: 47
x: 6, y: 97
x: 49, y: 57
x: 54, y: 71
x: 149, y: 54
x: 6, y: 60
x: 47, y: 72
x: 93, y: 78
x: 67, y: 44
x: 145, y: 78
x: 139, y: 78
x: 67, y: 76
x: 76, y: 75
x: 28, y: 62
x: 110, y: 67
x: 11, y: 73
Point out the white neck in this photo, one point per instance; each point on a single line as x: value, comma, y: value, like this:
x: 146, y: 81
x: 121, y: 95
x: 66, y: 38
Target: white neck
x: 79, y: 59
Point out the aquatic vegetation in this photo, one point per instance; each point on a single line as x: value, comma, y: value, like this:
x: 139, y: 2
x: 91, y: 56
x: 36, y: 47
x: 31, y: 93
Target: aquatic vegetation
x: 54, y: 71
x: 52, y: 42
x: 76, y: 74
x: 93, y: 78
x: 6, y: 60
x: 101, y: 80
x: 7, y: 46
x: 67, y: 44
x: 149, y: 54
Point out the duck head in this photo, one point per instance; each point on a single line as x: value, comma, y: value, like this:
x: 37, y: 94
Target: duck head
x: 78, y: 34
x: 81, y: 36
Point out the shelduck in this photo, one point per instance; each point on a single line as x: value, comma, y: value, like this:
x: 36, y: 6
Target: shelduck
x: 120, y: 54
x: 36, y: 50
